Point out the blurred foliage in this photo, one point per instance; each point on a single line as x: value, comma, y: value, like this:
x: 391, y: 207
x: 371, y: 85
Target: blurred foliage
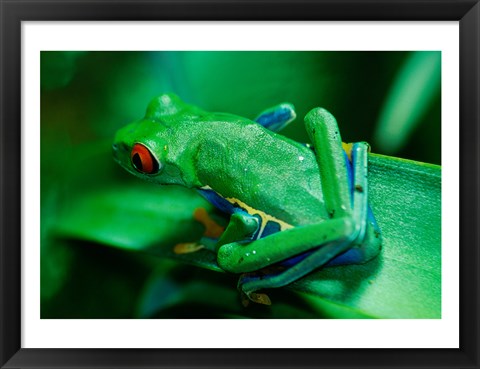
x: 107, y: 237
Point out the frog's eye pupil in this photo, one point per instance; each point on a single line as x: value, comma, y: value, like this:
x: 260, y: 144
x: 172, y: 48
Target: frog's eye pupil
x: 143, y: 160
x: 137, y: 162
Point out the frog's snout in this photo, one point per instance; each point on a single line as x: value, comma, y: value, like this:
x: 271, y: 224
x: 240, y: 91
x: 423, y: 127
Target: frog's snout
x: 118, y: 151
x: 115, y: 151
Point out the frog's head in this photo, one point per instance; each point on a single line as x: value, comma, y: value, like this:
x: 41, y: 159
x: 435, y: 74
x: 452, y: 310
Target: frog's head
x: 142, y: 147
x: 138, y: 148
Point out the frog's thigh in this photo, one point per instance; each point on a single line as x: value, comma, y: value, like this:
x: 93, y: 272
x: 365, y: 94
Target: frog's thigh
x: 239, y: 258
x: 323, y: 131
x: 368, y: 249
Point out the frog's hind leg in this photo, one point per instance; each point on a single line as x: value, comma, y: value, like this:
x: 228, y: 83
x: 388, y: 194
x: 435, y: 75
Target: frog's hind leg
x: 326, y: 252
x: 341, y: 205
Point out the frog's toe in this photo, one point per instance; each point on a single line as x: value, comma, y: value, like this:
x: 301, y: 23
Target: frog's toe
x: 254, y: 296
x: 258, y: 298
x: 187, y: 248
x: 212, y: 228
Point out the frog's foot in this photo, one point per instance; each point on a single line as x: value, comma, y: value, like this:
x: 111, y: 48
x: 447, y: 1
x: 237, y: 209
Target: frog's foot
x: 255, y: 296
x: 258, y: 298
x: 212, y: 232
x: 187, y: 248
x: 212, y: 228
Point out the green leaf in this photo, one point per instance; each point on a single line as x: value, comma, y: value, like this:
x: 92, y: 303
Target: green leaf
x: 138, y: 217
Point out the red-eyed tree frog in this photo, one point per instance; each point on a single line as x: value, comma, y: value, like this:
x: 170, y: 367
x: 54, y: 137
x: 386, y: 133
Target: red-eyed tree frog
x: 292, y: 207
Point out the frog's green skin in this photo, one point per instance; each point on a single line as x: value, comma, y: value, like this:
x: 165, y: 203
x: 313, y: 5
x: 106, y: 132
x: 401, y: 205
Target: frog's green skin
x: 265, y: 178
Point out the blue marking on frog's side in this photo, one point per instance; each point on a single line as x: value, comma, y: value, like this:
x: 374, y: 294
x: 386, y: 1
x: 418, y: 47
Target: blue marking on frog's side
x: 218, y: 201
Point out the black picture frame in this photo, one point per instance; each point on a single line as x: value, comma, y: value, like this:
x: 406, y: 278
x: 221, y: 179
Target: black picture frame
x: 467, y: 12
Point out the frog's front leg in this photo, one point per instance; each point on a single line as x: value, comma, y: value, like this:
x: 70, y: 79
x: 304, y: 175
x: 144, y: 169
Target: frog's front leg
x: 240, y: 227
x: 277, y: 117
x: 316, y: 243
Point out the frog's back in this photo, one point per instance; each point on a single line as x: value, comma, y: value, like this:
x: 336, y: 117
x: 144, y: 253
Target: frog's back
x: 261, y: 172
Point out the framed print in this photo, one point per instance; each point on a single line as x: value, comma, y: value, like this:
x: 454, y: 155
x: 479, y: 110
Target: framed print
x: 190, y: 184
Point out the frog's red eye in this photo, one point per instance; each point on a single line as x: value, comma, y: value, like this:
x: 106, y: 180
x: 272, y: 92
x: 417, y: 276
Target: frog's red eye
x: 143, y: 160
